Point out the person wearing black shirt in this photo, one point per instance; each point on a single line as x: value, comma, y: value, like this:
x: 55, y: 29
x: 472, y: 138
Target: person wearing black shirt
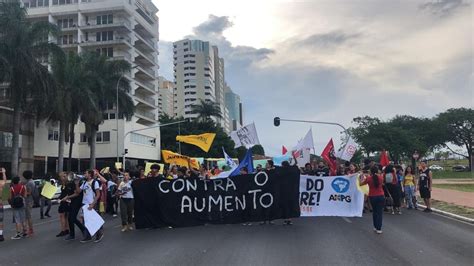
x: 67, y: 188
x: 75, y: 204
x: 424, y: 184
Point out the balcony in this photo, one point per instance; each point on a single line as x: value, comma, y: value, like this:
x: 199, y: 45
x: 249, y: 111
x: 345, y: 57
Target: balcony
x: 145, y: 114
x: 144, y: 59
x: 117, y: 24
x: 146, y: 42
x: 148, y: 86
x: 93, y: 42
x: 147, y: 100
x: 145, y: 73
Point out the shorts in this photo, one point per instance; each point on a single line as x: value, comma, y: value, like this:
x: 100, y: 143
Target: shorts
x: 425, y: 193
x: 28, y: 207
x: 1, y: 213
x: 64, y: 207
x: 19, y: 215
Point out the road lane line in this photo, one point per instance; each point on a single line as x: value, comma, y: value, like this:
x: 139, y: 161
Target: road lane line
x: 346, y: 219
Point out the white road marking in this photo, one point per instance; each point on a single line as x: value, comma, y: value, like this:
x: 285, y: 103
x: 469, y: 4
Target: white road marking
x: 346, y: 219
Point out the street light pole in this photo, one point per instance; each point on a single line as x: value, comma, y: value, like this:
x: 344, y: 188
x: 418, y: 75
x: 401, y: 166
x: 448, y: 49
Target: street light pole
x: 314, y: 122
x: 117, y: 115
x: 136, y: 130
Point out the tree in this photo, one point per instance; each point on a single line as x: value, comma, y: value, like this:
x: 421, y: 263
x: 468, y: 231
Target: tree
x: 457, y: 126
x: 29, y: 82
x: 195, y: 127
x: 207, y: 110
x: 104, y: 75
x: 258, y: 149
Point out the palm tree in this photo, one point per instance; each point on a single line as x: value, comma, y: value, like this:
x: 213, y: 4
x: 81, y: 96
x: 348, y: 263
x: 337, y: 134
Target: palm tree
x: 72, y: 94
x: 207, y: 110
x: 29, y: 82
x: 104, y: 75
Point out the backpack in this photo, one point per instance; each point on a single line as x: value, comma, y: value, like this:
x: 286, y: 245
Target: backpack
x: 17, y: 200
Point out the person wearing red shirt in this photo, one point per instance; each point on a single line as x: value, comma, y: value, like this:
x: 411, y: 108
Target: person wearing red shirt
x: 376, y: 197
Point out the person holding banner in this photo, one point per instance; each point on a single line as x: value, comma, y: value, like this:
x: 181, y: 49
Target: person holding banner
x: 376, y: 197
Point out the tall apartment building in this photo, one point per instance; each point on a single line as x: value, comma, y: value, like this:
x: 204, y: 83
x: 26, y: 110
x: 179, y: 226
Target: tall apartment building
x: 199, y: 75
x: 165, y: 99
x: 234, y: 105
x: 119, y: 29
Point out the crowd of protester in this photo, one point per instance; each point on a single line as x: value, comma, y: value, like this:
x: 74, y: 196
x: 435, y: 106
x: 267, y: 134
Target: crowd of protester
x: 110, y: 192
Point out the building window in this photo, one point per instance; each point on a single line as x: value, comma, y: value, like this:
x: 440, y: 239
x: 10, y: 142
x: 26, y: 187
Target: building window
x: 104, y: 36
x: 83, y: 138
x: 102, y: 137
x: 108, y: 51
x: 53, y: 135
x: 6, y: 139
x: 142, y: 139
x: 105, y: 19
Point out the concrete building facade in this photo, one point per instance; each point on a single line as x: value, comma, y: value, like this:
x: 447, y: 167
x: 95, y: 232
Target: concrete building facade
x: 118, y: 29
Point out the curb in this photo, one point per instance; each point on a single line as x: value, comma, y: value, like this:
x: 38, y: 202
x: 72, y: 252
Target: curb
x: 451, y: 215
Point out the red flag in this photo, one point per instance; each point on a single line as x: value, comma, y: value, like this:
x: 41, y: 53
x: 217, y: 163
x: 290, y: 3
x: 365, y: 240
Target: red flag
x: 283, y: 150
x: 384, y: 161
x: 329, y: 156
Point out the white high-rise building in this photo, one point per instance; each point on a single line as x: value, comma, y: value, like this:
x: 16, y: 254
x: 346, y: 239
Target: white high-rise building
x: 165, y: 99
x: 119, y: 29
x: 199, y: 75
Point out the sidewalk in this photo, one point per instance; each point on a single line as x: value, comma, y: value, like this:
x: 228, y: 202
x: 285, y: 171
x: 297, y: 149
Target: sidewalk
x: 453, y: 196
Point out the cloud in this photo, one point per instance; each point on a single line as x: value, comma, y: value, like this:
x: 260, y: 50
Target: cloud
x: 344, y: 60
x: 329, y: 39
x: 213, y: 26
x: 443, y: 7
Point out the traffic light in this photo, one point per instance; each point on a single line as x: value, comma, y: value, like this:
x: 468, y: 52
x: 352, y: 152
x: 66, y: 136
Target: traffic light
x: 276, y: 121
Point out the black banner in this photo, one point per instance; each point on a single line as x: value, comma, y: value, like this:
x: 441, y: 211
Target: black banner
x: 189, y: 202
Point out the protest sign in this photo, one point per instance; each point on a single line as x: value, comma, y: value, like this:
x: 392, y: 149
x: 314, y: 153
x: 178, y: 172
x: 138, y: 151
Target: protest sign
x: 245, y: 136
x: 92, y: 220
x: 148, y: 168
x: 48, y: 190
x: 188, y: 202
x: 203, y: 141
x: 330, y: 196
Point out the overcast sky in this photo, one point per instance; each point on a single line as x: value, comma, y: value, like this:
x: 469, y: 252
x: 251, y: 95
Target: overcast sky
x: 331, y: 60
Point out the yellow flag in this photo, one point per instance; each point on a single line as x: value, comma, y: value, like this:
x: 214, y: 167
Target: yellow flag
x: 48, y: 190
x: 178, y: 159
x: 203, y: 141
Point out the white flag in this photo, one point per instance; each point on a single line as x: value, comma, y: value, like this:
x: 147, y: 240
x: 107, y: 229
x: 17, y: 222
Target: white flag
x: 306, y: 143
x: 245, y: 136
x: 228, y: 161
x: 349, y: 150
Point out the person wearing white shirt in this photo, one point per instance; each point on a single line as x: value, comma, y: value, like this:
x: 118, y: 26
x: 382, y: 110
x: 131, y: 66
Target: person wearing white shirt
x: 126, y: 202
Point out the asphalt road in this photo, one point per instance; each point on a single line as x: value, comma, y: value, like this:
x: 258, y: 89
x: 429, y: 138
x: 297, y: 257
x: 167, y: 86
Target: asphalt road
x: 414, y: 238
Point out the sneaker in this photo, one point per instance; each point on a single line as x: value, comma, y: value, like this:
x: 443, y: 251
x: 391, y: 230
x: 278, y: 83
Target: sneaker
x: 263, y: 223
x: 399, y: 212
x: 70, y: 238
x: 86, y: 239
x: 1, y: 238
x: 271, y: 223
x: 17, y: 236
x: 114, y: 215
x: 98, y: 237
x: 47, y: 215
x: 130, y: 227
x: 24, y: 235
x: 124, y: 228
x: 378, y: 231
x: 289, y: 223
x: 426, y: 210
x: 429, y: 210
x: 62, y: 233
x: 393, y: 212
